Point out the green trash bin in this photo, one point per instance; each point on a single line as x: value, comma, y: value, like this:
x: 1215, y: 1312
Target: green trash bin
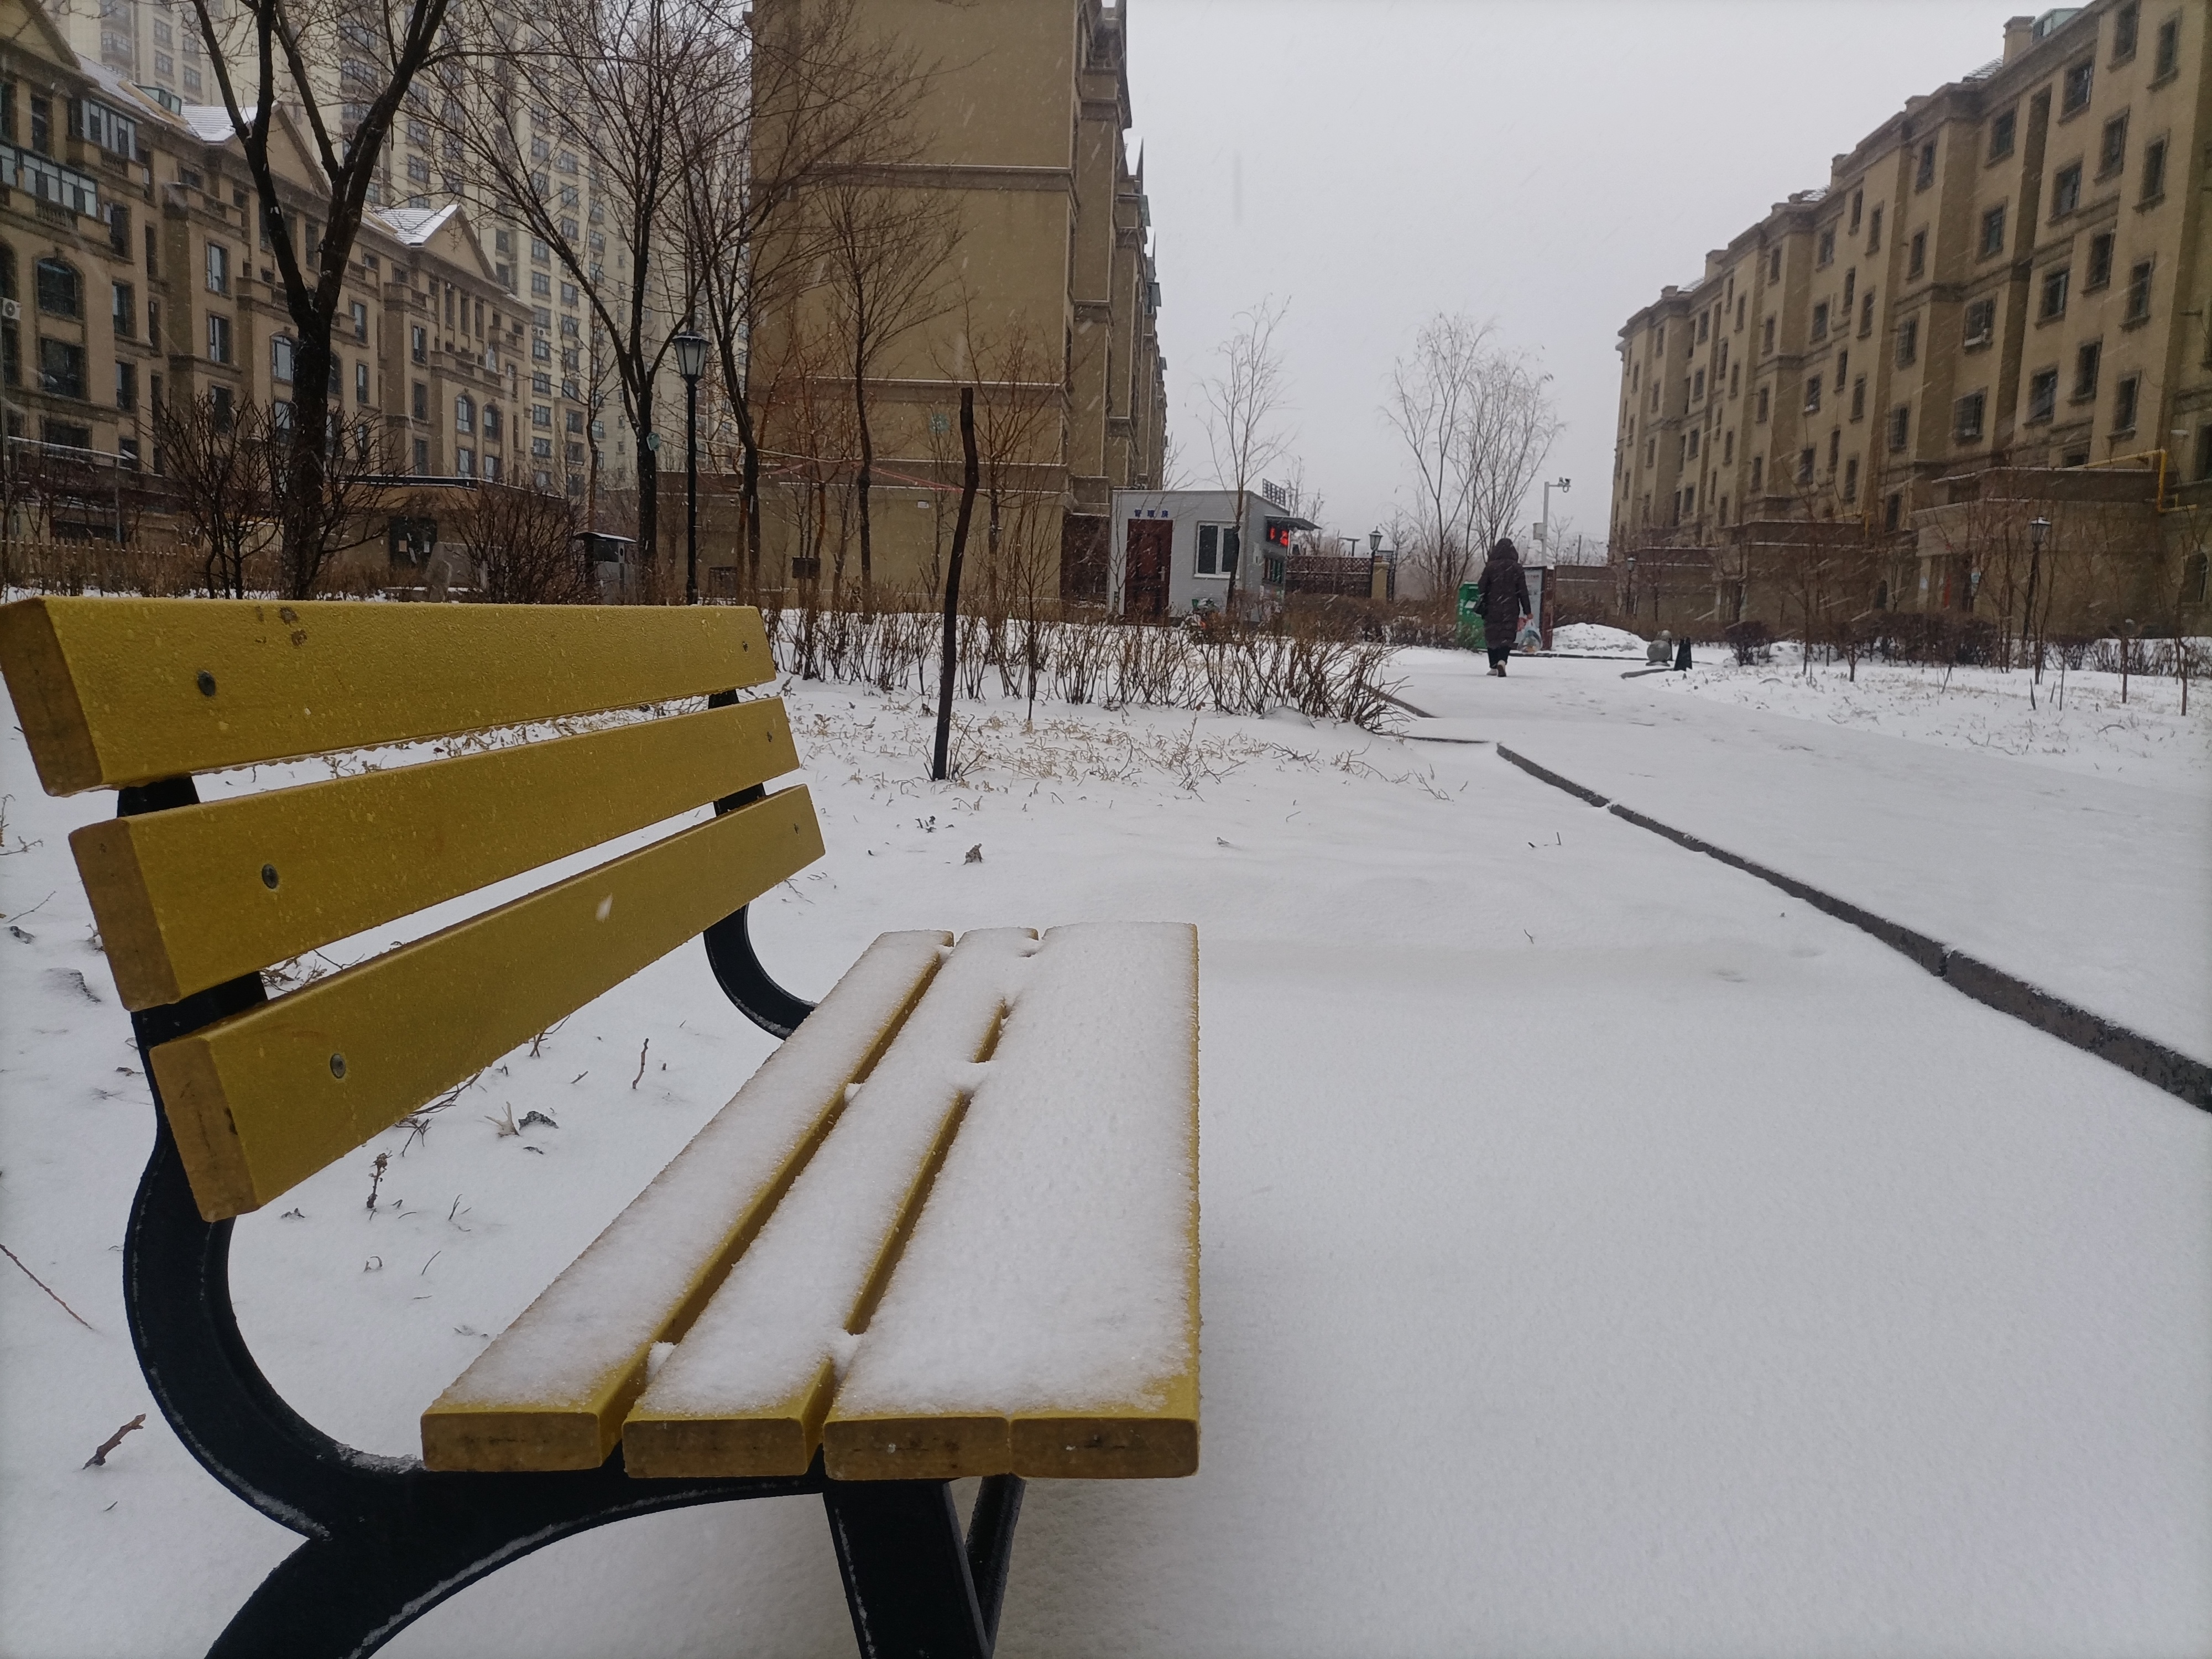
x: 1471, y: 635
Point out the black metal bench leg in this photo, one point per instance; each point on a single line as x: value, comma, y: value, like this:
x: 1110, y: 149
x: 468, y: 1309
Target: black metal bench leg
x: 905, y: 1567
x: 991, y: 1545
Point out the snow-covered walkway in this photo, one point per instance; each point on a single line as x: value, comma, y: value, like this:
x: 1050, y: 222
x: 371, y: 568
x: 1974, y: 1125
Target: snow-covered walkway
x: 1604, y: 1255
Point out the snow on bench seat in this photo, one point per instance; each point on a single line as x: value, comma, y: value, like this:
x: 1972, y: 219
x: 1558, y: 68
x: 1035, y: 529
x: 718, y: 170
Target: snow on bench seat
x: 745, y: 1391
x: 550, y: 1392
x: 1043, y: 1318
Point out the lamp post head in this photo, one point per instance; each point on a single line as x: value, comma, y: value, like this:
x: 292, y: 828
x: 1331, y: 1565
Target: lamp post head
x: 690, y: 350
x: 1564, y: 485
x: 2036, y: 529
x: 1374, y: 543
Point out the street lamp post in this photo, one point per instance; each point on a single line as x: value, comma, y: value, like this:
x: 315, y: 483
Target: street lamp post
x: 1550, y: 484
x: 690, y: 350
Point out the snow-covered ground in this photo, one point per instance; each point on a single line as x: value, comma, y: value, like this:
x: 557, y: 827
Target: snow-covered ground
x: 1603, y: 1253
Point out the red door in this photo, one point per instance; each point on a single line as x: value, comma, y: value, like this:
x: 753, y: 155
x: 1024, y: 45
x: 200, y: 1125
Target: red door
x: 1144, y: 570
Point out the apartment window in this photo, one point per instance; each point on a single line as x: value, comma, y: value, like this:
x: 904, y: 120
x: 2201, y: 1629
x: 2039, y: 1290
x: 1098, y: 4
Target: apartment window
x: 1827, y: 245
x: 2100, y: 261
x: 542, y: 384
x: 418, y: 343
x: 2123, y: 32
x: 419, y: 404
x: 1901, y: 428
x: 2066, y: 190
x: 2154, y: 171
x: 1835, y: 447
x: 61, y: 291
x: 1851, y: 479
x: 1866, y: 315
x: 1966, y: 415
x: 2167, y: 58
x: 422, y: 458
x: 491, y: 421
x: 360, y: 320
x: 542, y: 448
x: 2125, y: 395
x: 1217, y: 550
x: 2088, y: 358
x: 541, y: 414
x: 2196, y: 574
x: 1735, y: 379
x: 2204, y: 464
x: 1762, y: 392
x: 61, y: 369
x: 2112, y: 147
x: 1858, y: 399
x: 1705, y: 317
x: 2138, y: 308
x: 1843, y: 369
x: 1993, y: 229
x: 361, y: 384
x: 1874, y: 231
x: 1758, y: 471
x: 576, y: 420
x: 2042, y: 394
x: 1924, y: 175
x: 1728, y: 447
x: 2075, y: 89
x: 1655, y: 394
x: 1850, y: 291
x: 1908, y: 342
x: 1690, y: 447
x: 218, y: 339
x: 1774, y: 266
x: 465, y: 462
x: 540, y: 251
x: 1981, y: 322
x: 1811, y: 394
x: 1805, y: 461
x: 123, y: 301
x: 465, y: 414
x: 1821, y: 320
x: 1650, y: 452
x: 1916, y: 258
x: 541, y: 283
x: 218, y: 268
x: 1858, y: 201
x: 281, y: 351
x: 2054, y: 291
x: 2002, y: 128
x: 1766, y: 339
x: 1741, y: 302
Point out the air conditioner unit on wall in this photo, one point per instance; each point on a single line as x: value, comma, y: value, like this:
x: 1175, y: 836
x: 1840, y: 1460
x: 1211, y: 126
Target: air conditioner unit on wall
x: 11, y: 310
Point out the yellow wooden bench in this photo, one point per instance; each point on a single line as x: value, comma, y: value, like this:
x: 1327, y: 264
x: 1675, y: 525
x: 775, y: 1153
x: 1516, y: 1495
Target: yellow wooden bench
x: 948, y: 1228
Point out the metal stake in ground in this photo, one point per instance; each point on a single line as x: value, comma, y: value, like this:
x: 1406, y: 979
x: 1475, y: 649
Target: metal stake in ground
x: 950, y: 655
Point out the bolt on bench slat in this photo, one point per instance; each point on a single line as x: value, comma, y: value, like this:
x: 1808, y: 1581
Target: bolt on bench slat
x: 113, y: 692
x: 1048, y: 1296
x: 746, y: 1389
x: 189, y: 897
x: 262, y: 1100
x: 550, y: 1391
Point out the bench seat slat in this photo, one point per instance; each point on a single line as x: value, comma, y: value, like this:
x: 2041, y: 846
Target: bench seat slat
x: 1050, y: 1288
x: 262, y: 1100
x: 114, y: 691
x: 745, y: 1391
x: 550, y: 1391
x: 184, y: 898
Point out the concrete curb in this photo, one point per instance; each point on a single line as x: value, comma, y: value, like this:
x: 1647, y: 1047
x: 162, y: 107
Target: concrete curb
x: 2178, y: 1075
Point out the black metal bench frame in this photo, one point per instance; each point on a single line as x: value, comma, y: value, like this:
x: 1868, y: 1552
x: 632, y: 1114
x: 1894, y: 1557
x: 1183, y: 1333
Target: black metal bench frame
x: 388, y: 1539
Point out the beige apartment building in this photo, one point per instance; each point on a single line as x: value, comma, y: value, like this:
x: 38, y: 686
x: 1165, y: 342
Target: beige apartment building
x: 154, y: 47
x: 2008, y: 280
x: 136, y: 271
x: 1047, y: 303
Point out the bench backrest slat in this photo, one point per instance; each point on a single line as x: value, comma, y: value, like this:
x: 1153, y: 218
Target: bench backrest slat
x: 189, y: 897
x: 262, y: 1100
x: 113, y: 692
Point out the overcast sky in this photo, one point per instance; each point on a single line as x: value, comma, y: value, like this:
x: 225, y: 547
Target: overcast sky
x: 1549, y: 164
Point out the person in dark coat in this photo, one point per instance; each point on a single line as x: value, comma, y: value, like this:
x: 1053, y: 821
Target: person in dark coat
x: 1505, y: 601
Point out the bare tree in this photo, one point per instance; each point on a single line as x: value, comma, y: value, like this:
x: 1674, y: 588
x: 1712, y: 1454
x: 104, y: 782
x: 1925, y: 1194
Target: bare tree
x: 1510, y: 424
x: 523, y: 544
x: 886, y: 252
x: 208, y: 454
x: 1244, y: 407
x: 384, y: 45
x: 629, y: 95
x: 1429, y: 403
